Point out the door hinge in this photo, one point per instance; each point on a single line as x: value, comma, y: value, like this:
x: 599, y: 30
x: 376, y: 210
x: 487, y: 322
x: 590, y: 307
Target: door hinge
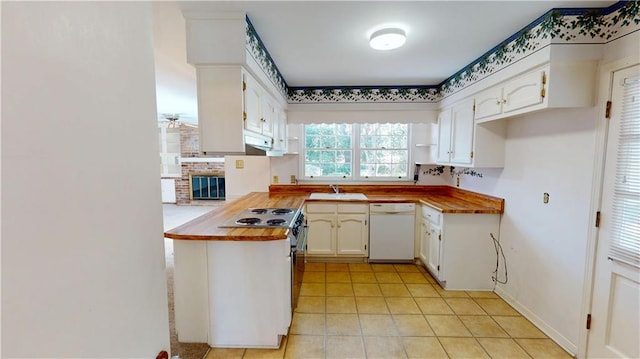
x: 544, y: 78
x: 474, y: 108
x: 439, y: 237
x: 365, y: 247
x: 543, y: 92
x: 607, y: 110
x: 471, y: 154
x: 588, y: 321
x: 438, y: 267
x: 244, y: 116
x: 365, y: 222
x: 244, y: 85
x: 597, y: 219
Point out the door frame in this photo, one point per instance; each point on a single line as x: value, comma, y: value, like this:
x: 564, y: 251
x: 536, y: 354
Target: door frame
x: 605, y: 84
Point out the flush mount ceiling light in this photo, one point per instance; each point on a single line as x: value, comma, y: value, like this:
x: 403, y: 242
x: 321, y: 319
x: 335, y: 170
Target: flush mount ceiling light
x: 388, y: 39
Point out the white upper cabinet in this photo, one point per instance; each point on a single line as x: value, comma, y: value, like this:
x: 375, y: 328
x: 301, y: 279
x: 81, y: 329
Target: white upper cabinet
x: 462, y: 133
x: 551, y: 86
x: 231, y: 101
x: 522, y: 92
x: 444, y: 136
x: 220, y: 109
x: 259, y: 108
x: 455, y: 144
x: 462, y: 142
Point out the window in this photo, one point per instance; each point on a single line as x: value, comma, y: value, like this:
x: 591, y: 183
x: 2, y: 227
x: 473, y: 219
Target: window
x: 169, y: 140
x: 356, y: 151
x: 328, y: 150
x: 625, y: 236
x: 384, y: 150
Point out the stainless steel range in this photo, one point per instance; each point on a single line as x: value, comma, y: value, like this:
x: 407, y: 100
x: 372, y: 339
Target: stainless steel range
x: 279, y: 218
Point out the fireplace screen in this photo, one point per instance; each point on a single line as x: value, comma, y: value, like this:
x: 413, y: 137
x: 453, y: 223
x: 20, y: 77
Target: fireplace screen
x: 206, y: 187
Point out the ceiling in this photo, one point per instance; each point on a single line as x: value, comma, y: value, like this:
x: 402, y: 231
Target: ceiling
x: 325, y: 43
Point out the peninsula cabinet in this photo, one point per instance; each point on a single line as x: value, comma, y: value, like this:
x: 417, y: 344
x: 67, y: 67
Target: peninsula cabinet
x: 337, y: 230
x: 551, y: 86
x: 464, y: 143
x: 457, y: 249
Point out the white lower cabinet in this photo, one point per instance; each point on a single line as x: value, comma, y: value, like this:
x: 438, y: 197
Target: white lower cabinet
x: 457, y: 249
x: 337, y: 229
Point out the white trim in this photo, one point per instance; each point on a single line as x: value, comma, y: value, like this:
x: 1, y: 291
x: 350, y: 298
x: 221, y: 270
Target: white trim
x: 604, y: 94
x: 202, y: 159
x: 538, y: 322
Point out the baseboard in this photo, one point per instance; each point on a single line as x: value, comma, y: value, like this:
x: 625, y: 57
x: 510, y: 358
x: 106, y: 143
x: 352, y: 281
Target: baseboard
x: 553, y: 334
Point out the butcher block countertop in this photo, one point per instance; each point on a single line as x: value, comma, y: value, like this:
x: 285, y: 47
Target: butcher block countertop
x: 442, y: 198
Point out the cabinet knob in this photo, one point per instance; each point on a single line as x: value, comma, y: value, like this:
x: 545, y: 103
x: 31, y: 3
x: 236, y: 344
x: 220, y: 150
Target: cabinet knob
x: 504, y: 101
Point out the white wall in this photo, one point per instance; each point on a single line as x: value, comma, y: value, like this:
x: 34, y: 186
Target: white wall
x: 545, y: 244
x: 82, y: 246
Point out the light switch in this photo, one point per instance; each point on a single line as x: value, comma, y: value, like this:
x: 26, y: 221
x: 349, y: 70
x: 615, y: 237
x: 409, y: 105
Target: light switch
x: 239, y: 163
x: 275, y: 179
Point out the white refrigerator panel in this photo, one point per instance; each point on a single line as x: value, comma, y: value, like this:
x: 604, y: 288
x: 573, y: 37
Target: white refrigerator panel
x: 245, y: 174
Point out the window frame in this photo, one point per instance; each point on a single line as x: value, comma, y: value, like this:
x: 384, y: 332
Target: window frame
x: 355, y: 160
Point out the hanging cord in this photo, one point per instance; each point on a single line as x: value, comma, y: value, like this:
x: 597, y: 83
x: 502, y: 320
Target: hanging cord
x: 499, y: 252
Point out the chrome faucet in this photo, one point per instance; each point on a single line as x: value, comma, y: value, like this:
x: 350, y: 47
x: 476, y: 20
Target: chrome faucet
x: 335, y: 188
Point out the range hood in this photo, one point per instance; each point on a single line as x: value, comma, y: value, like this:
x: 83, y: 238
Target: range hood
x: 259, y: 145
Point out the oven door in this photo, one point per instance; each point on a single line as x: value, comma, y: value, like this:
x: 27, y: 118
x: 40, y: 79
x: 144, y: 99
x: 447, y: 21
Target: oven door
x: 297, y: 265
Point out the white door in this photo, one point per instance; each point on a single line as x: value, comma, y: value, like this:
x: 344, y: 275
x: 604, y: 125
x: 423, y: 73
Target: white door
x: 615, y: 307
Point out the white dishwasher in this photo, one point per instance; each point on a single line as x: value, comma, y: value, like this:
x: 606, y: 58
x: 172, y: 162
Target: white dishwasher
x: 391, y: 232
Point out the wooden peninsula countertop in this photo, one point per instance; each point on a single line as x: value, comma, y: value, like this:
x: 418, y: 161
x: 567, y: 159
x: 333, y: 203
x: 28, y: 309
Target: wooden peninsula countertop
x: 442, y: 198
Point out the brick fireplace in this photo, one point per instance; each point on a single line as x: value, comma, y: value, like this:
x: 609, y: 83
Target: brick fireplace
x: 193, y: 163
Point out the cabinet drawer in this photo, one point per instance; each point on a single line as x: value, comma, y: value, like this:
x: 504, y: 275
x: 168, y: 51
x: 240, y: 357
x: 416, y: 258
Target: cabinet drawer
x: 431, y: 215
x: 321, y: 208
x: 353, y: 208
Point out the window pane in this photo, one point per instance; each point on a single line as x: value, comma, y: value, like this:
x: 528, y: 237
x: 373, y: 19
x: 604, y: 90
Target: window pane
x: 328, y: 150
x: 384, y: 150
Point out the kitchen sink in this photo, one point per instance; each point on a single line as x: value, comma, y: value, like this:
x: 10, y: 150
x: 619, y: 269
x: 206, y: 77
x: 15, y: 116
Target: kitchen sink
x: 338, y: 196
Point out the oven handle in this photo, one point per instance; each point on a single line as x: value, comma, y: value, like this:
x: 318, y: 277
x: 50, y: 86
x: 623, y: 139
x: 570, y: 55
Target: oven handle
x: 302, y: 241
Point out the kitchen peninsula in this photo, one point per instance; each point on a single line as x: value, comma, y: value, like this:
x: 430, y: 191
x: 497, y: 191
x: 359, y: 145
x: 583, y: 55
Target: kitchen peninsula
x: 232, y: 285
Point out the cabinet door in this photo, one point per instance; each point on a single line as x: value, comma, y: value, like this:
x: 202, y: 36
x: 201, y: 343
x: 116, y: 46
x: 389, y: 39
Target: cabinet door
x: 280, y: 130
x: 424, y: 241
x: 488, y: 103
x: 322, y: 234
x: 352, y: 235
x: 268, y: 115
x: 444, y: 136
x: 462, y: 132
x: 523, y: 92
x: 252, y: 105
x: 433, y: 260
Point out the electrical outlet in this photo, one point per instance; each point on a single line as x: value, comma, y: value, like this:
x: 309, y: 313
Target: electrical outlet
x: 545, y: 198
x: 275, y: 179
x: 293, y: 179
x: 239, y: 163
